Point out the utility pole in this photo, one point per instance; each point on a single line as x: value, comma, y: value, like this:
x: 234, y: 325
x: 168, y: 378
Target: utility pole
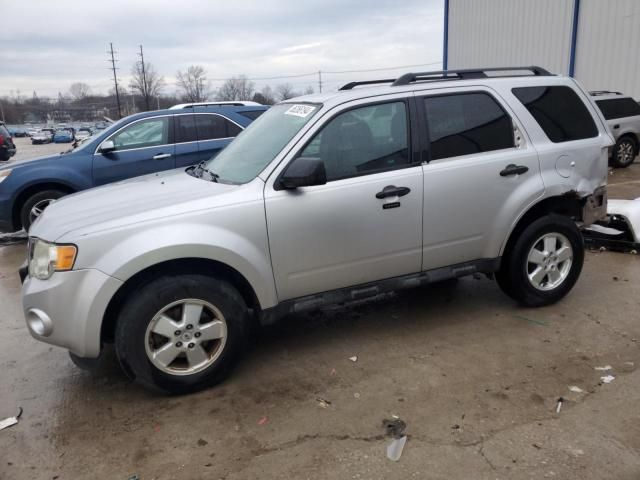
x: 115, y: 78
x: 320, y: 81
x: 144, y: 80
x: 2, y: 113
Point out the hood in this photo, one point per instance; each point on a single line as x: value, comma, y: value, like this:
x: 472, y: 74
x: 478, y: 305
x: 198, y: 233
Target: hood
x: 135, y: 200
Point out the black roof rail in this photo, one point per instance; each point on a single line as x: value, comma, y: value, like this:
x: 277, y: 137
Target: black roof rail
x: 465, y: 74
x: 596, y: 93
x: 351, y: 85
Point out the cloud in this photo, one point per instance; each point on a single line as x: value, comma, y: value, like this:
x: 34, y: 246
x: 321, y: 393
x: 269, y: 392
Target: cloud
x: 48, y: 47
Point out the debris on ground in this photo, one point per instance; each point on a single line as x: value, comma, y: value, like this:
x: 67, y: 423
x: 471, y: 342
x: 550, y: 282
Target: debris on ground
x: 323, y: 403
x: 354, y: 358
x: 607, y: 379
x: 263, y: 421
x: 10, y: 421
x: 356, y: 395
x: 12, y: 238
x: 394, y: 449
x: 532, y: 320
x: 134, y: 477
x: 559, y: 404
x: 395, y: 429
x: 576, y: 389
x: 603, y: 369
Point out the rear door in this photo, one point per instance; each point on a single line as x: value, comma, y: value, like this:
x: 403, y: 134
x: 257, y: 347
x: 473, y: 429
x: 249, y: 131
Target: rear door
x: 186, y: 140
x: 481, y: 175
x: 143, y: 146
x: 214, y: 133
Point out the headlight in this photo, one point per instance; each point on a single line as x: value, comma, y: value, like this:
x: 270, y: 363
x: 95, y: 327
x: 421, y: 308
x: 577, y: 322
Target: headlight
x: 4, y: 174
x: 46, y: 258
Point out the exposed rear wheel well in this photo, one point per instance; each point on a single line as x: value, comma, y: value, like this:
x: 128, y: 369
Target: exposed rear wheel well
x: 174, y: 267
x: 568, y: 205
x: 32, y: 190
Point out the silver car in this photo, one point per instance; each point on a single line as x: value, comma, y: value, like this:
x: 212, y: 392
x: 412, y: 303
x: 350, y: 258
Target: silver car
x: 325, y: 198
x: 622, y: 114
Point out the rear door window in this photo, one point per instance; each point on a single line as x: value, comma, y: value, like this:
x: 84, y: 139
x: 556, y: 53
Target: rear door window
x: 253, y: 114
x: 466, y: 124
x: 618, y: 108
x: 185, y: 128
x: 213, y: 127
x: 559, y: 111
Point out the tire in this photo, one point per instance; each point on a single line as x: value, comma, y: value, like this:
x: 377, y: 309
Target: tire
x: 624, y: 152
x: 139, y: 349
x: 557, y: 274
x: 37, y: 200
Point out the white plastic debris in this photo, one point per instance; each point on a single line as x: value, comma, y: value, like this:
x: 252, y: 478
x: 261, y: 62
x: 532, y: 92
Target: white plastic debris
x: 559, y: 405
x: 603, y: 369
x: 575, y: 389
x: 607, y: 379
x: 354, y: 358
x: 394, y: 449
x: 10, y: 421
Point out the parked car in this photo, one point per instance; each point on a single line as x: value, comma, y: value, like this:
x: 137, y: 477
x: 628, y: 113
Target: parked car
x: 32, y: 131
x: 136, y: 145
x: 7, y: 147
x: 623, y: 117
x: 17, y: 132
x: 43, y: 136
x: 325, y: 198
x: 83, y: 133
x: 64, y: 135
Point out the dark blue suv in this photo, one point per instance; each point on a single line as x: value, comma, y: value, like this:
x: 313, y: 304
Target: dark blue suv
x: 136, y: 145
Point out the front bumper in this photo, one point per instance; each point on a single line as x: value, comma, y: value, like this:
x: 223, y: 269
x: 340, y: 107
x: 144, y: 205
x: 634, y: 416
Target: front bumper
x: 67, y: 309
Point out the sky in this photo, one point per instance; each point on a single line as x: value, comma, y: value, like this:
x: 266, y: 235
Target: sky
x: 48, y: 45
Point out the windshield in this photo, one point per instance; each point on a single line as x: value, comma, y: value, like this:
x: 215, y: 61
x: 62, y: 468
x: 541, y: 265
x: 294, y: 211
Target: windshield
x: 258, y: 145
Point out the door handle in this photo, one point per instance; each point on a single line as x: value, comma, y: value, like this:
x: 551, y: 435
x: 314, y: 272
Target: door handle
x: 616, y: 126
x: 160, y: 156
x: 393, y: 191
x: 513, y: 169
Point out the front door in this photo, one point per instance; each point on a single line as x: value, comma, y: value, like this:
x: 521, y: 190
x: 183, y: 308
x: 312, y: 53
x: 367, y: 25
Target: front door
x: 365, y: 224
x: 142, y: 147
x: 482, y: 174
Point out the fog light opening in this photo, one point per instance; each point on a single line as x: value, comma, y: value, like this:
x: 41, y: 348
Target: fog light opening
x: 39, y: 322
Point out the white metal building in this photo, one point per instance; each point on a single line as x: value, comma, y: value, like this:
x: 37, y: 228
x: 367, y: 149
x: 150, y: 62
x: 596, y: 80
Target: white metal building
x: 596, y: 41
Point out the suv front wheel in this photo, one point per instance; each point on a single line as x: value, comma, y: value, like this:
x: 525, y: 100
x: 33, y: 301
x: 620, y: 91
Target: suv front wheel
x: 181, y: 333
x: 544, y: 263
x: 624, y: 152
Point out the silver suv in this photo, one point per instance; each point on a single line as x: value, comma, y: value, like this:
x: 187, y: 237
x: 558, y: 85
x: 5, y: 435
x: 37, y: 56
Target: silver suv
x: 325, y: 198
x: 622, y: 114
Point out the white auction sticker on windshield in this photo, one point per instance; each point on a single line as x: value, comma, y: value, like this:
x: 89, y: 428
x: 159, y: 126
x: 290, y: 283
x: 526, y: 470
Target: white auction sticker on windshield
x: 300, y: 110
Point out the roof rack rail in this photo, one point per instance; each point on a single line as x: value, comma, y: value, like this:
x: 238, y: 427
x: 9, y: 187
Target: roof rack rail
x: 242, y: 103
x: 350, y: 85
x: 466, y: 74
x: 596, y: 93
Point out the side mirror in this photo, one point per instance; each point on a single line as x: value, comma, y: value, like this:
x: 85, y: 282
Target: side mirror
x: 303, y: 172
x: 107, y: 146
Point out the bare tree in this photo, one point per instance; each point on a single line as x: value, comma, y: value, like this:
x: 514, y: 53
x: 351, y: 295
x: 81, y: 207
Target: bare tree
x: 79, y: 90
x: 146, y: 82
x: 309, y: 90
x: 194, y: 84
x: 265, y: 96
x: 285, y: 91
x: 236, y: 88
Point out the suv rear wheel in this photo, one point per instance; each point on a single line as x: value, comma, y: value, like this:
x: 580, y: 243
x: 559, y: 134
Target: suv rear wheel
x: 544, y: 263
x: 624, y: 152
x: 181, y: 333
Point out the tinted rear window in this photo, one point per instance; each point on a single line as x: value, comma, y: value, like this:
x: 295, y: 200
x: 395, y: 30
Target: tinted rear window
x: 252, y: 114
x: 559, y: 112
x: 212, y: 127
x: 464, y: 124
x: 618, y: 108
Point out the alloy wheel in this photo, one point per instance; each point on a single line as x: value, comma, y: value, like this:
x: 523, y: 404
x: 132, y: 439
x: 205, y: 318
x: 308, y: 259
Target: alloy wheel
x: 549, y: 261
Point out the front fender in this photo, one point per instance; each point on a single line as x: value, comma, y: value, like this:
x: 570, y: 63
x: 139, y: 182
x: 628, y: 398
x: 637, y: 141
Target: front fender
x: 123, y: 256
